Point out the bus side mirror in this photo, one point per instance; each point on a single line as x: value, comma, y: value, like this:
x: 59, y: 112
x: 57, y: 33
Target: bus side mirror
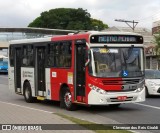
x: 87, y: 57
x: 87, y: 54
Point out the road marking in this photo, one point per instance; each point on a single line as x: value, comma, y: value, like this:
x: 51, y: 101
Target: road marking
x: 27, y: 107
x: 150, y: 106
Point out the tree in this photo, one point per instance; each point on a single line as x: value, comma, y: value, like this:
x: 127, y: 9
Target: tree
x: 157, y: 47
x: 98, y: 24
x: 67, y: 18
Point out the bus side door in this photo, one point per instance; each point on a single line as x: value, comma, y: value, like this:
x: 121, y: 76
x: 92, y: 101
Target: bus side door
x: 79, y: 76
x: 17, y: 69
x: 40, y: 70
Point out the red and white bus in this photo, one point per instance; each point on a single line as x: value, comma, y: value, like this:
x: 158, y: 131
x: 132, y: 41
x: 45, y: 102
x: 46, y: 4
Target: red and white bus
x: 92, y: 68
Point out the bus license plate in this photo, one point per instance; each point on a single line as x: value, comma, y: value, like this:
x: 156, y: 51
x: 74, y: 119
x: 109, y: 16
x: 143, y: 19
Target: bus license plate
x: 122, y: 98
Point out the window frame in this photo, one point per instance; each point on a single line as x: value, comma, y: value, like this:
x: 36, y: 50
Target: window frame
x: 58, y: 53
x: 28, y: 55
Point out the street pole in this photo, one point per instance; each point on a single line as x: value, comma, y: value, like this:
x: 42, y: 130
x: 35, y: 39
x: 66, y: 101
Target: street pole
x: 127, y: 22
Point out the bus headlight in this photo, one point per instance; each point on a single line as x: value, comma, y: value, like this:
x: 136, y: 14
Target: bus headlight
x: 97, y: 89
x: 140, y: 89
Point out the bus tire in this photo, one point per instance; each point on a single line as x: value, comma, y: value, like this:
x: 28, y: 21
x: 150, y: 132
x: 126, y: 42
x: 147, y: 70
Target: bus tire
x: 67, y: 100
x: 28, y: 93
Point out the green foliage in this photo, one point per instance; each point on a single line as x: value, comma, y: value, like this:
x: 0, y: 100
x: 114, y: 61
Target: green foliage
x: 98, y: 24
x: 37, y: 22
x: 67, y: 18
x: 157, y: 42
x: 93, y: 126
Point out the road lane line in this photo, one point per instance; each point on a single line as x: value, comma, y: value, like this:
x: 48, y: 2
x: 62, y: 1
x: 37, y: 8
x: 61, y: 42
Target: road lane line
x: 27, y: 107
x: 150, y: 106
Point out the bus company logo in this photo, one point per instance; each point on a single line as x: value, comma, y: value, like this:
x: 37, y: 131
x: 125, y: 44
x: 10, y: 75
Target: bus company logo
x: 6, y: 127
x: 27, y: 74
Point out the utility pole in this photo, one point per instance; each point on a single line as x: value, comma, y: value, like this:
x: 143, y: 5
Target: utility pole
x: 134, y: 23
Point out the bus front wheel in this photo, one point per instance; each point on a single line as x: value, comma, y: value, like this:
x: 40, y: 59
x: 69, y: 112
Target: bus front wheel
x: 28, y: 93
x: 67, y: 100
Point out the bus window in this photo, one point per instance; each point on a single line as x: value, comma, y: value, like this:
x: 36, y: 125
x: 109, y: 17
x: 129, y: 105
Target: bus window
x: 65, y: 57
x: 27, y: 55
x: 59, y: 54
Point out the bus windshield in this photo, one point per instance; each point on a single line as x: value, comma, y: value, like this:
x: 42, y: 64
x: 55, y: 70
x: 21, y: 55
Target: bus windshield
x: 3, y: 63
x: 116, y: 62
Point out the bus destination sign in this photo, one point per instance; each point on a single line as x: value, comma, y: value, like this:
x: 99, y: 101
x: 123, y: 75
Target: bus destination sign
x: 116, y: 39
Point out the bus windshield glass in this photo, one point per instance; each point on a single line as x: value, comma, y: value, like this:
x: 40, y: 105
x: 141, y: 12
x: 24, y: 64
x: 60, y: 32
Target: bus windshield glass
x: 3, y: 63
x: 116, y: 62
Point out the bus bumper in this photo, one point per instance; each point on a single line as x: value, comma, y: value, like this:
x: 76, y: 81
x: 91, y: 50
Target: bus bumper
x: 95, y: 98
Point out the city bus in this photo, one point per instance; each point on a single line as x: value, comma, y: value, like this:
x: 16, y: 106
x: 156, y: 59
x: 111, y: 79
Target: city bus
x: 91, y: 68
x: 3, y: 64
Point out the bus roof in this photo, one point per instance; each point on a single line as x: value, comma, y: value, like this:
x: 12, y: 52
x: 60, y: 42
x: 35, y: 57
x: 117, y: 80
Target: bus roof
x: 80, y: 35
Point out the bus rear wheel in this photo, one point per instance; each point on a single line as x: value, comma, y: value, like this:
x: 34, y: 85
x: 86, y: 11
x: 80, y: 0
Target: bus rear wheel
x: 67, y: 100
x: 28, y: 93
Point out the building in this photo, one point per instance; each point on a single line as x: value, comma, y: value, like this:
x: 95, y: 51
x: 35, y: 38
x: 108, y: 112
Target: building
x: 7, y: 34
x: 156, y: 27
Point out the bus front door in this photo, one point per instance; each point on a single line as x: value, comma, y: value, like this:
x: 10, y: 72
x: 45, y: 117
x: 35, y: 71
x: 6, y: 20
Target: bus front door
x: 80, y: 72
x: 40, y: 70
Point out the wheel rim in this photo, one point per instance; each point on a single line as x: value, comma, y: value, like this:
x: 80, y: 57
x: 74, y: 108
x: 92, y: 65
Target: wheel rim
x: 67, y: 99
x: 27, y: 93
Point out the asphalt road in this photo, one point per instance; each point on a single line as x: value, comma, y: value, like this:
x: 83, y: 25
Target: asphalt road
x: 147, y: 112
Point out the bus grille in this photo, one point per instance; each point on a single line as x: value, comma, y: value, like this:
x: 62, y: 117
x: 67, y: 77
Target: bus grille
x: 120, y: 82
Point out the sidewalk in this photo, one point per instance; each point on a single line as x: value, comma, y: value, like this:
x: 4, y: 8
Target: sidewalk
x: 15, y: 114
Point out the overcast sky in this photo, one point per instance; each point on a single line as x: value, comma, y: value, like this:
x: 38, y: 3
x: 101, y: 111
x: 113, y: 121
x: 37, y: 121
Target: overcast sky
x: 19, y: 13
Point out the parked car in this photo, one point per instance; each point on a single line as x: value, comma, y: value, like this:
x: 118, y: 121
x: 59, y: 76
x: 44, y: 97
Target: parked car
x: 152, y: 82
